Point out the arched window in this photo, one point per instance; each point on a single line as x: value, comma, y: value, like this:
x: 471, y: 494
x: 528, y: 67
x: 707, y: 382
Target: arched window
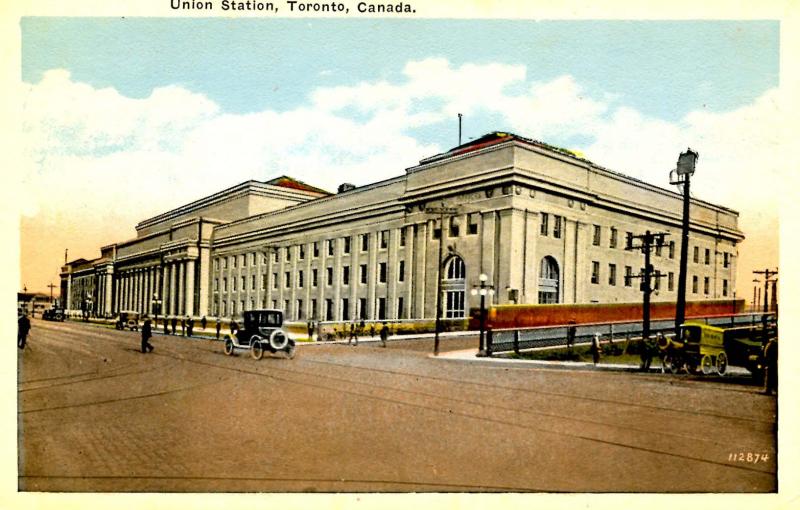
x: 548, y: 281
x: 454, y: 287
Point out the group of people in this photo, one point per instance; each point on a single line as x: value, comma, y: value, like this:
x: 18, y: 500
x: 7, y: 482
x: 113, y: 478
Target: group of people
x: 355, y: 330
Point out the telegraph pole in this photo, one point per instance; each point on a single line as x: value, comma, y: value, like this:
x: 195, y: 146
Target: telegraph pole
x: 768, y: 274
x: 682, y: 176
x: 648, y: 240
x: 441, y: 211
x: 51, y: 291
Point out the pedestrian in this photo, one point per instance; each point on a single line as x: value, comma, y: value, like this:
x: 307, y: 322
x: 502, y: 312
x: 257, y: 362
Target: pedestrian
x: 372, y: 330
x: 353, y: 333
x: 189, y: 326
x: 23, y: 328
x: 310, y: 328
x: 174, y: 324
x: 571, y: 331
x: 147, y: 332
x: 234, y: 327
x: 361, y: 327
x: 596, y: 348
x: 203, y: 323
x: 771, y: 367
x: 646, y: 355
x: 384, y: 334
x: 219, y: 326
x: 183, y: 326
x: 166, y: 326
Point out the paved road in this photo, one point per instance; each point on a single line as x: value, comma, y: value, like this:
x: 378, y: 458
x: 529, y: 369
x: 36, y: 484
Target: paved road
x: 97, y: 415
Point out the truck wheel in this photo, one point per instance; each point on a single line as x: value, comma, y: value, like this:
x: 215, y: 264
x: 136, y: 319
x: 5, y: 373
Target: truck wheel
x: 256, y: 349
x: 278, y: 340
x: 722, y: 363
x: 706, y: 364
x: 229, y: 347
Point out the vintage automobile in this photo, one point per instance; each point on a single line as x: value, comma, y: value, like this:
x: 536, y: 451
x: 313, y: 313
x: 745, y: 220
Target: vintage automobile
x: 704, y: 348
x: 53, y: 314
x: 128, y: 319
x: 261, y: 331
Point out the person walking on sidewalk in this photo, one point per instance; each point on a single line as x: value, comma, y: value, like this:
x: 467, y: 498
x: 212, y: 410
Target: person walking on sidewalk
x: 174, y: 324
x: 147, y: 332
x: 203, y: 323
x: 384, y: 334
x: 23, y: 328
x: 219, y: 326
x: 596, y: 348
x: 353, y: 333
x: 189, y: 326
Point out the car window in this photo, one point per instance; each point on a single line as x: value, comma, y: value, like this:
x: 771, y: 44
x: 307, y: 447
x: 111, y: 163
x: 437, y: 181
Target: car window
x: 270, y: 319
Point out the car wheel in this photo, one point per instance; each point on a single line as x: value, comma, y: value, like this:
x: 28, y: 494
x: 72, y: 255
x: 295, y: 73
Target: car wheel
x: 290, y: 351
x: 256, y: 349
x: 278, y: 340
x: 229, y: 347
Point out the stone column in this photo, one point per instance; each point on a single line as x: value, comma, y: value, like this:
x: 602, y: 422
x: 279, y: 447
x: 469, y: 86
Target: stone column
x: 179, y: 289
x: 189, y: 293
x: 109, y: 294
x: 172, y: 310
x: 164, y: 291
x: 205, y: 288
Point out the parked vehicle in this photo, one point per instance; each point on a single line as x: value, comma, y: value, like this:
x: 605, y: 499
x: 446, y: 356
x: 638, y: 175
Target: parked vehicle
x: 53, y: 314
x: 262, y: 331
x: 128, y: 319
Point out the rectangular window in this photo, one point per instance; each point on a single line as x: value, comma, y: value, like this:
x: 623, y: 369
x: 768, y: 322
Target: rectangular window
x: 384, y: 241
x: 225, y: 263
x: 330, y: 247
x: 696, y: 257
x: 362, y: 273
x: 329, y: 309
x: 628, y: 241
x: 253, y: 282
x: 252, y: 259
x: 244, y: 261
x: 453, y: 226
x: 658, y: 249
x: 345, y: 309
x: 314, y: 279
x: 300, y: 279
x: 706, y: 285
x: 362, y: 308
x: 287, y: 279
x: 724, y: 288
x: 302, y: 252
x: 364, y: 242
x: 233, y: 307
x: 401, y: 311
x: 315, y: 249
x: 401, y: 271
x: 244, y: 283
x: 472, y: 223
x: 346, y: 246
x: 289, y: 253
x: 274, y: 304
x: 216, y: 284
x: 402, y: 236
x: 612, y: 274
x: 299, y: 312
x: 595, y: 272
x: 612, y: 240
x: 286, y: 306
x: 670, y: 281
x: 544, y: 227
x: 437, y: 230
x: 263, y: 282
x: 233, y: 262
x: 726, y: 259
x: 346, y: 275
x: 694, y: 284
x: 382, y: 272
x: 557, y: 220
x: 708, y: 257
x: 216, y: 264
x: 274, y: 280
x: 313, y: 308
x: 381, y: 308
x: 233, y: 284
x: 224, y: 307
x: 628, y: 275
x: 596, y: 235
x: 275, y: 254
x: 672, y: 249
x: 657, y: 280
x: 329, y: 276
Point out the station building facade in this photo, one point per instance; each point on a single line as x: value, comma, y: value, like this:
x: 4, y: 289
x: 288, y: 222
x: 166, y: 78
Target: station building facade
x: 544, y: 226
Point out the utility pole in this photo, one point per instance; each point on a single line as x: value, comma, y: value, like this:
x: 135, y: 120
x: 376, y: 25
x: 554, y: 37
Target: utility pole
x: 459, y: 128
x: 66, y: 250
x: 682, y: 176
x: 648, y: 241
x: 768, y: 274
x: 51, y: 291
x: 441, y: 211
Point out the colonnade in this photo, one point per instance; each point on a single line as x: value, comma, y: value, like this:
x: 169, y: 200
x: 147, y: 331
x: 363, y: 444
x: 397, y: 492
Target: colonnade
x: 172, y: 285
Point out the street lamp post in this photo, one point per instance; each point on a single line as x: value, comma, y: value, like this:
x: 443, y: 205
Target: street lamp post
x: 483, y: 289
x: 441, y: 211
x: 682, y: 176
x: 156, y: 307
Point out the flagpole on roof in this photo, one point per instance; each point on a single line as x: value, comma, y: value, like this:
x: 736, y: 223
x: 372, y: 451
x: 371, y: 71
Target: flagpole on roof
x: 459, y: 129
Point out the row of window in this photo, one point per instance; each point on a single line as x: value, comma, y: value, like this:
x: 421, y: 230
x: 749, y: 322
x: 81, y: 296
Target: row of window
x: 225, y: 308
x: 363, y: 272
x: 629, y: 277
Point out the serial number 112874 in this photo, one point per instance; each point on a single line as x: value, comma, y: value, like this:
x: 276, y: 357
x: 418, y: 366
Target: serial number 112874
x: 748, y: 457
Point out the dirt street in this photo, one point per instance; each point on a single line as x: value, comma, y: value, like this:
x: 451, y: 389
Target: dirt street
x: 97, y: 415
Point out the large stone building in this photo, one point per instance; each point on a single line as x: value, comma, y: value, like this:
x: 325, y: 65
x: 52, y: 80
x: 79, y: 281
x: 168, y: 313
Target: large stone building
x: 544, y: 225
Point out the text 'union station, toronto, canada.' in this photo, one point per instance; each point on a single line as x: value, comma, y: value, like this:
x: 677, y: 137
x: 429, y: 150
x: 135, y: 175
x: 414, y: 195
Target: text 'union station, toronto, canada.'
x: 544, y: 225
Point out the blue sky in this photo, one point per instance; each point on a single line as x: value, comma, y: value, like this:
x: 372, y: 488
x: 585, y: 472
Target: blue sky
x: 134, y: 116
x: 660, y: 68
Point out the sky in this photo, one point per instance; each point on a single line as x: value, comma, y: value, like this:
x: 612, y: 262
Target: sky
x: 124, y: 118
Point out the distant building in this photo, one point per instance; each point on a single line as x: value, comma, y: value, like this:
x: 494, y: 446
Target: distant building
x: 33, y: 303
x: 545, y: 225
